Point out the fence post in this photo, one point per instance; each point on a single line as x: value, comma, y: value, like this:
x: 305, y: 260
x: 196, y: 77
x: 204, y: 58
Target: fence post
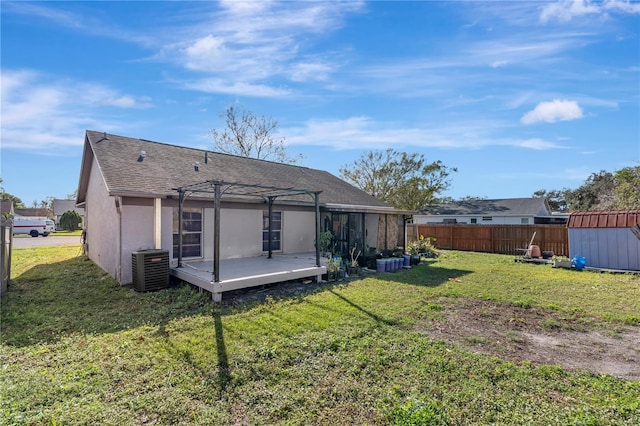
x: 6, y: 239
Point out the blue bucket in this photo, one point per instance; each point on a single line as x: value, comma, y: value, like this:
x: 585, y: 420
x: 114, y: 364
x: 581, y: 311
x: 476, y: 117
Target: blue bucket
x: 388, y: 265
x: 406, y: 260
x: 379, y: 265
x: 579, y: 262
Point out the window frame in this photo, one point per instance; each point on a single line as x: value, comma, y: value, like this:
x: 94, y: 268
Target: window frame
x: 188, y: 222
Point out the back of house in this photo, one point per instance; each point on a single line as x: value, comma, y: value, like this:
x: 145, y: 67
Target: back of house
x: 33, y: 226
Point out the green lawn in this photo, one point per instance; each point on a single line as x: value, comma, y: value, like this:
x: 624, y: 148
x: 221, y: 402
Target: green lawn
x: 79, y: 349
x: 75, y: 233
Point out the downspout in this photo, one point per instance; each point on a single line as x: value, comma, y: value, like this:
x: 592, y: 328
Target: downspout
x: 405, y: 219
x: 157, y: 223
x: 118, y: 201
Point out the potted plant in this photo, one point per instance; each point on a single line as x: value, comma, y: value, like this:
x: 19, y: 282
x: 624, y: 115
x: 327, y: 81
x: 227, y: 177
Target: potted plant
x: 354, y: 267
x: 333, y: 266
x: 413, y: 250
x: 324, y: 242
x: 428, y: 248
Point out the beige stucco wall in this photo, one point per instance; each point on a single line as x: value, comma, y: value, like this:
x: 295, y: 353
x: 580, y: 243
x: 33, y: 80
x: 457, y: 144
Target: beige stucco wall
x: 133, y: 228
x: 240, y: 232
x: 101, y: 224
x: 299, y: 234
x: 137, y: 234
x: 371, y: 227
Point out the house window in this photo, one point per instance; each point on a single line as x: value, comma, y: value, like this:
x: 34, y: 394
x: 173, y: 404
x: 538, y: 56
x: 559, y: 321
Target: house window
x: 276, y: 231
x: 487, y: 218
x: 524, y: 220
x: 192, y: 232
x: 474, y: 220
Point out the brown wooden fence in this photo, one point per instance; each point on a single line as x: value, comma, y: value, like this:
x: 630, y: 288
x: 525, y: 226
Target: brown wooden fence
x: 502, y: 239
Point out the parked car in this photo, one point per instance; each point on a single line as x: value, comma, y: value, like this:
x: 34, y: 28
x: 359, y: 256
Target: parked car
x: 33, y: 227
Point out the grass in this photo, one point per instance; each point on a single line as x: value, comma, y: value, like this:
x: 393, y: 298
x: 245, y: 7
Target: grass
x: 76, y: 233
x: 79, y: 349
x: 60, y: 233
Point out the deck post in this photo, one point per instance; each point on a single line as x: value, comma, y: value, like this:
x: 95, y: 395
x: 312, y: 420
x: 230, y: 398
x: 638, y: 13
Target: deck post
x: 316, y: 198
x: 269, y: 237
x: 216, y: 235
x: 180, y: 224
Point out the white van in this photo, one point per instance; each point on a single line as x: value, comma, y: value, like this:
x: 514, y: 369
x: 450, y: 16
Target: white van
x: 32, y: 226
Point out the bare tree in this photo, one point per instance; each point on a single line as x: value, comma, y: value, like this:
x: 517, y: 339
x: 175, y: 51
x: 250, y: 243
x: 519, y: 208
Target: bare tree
x: 247, y: 135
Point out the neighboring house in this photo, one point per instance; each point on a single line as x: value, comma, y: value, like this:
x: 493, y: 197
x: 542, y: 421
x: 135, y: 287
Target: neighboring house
x: 507, y: 211
x: 128, y: 188
x: 606, y: 239
x: 6, y: 208
x: 34, y: 212
x: 60, y: 207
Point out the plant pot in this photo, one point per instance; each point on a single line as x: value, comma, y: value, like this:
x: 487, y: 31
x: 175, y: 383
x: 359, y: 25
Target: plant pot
x: 353, y: 270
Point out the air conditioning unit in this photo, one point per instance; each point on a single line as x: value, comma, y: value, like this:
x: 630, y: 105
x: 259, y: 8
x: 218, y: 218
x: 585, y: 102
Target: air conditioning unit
x: 150, y: 269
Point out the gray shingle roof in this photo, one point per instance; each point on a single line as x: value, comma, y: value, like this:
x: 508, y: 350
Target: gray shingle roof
x: 507, y: 206
x: 166, y: 167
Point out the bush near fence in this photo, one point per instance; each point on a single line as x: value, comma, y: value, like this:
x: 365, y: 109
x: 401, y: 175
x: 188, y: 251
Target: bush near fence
x: 499, y: 239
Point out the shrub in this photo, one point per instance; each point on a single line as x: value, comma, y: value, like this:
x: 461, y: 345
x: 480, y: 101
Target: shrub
x: 70, y: 220
x: 423, y: 246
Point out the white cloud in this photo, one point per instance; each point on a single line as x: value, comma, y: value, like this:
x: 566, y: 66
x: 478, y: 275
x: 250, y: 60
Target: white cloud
x: 498, y: 64
x: 363, y: 132
x: 39, y: 113
x: 88, y: 24
x: 538, y: 144
x: 622, y: 6
x: 313, y: 70
x: 550, y: 112
x: 258, y: 43
x: 566, y: 10
x: 237, y: 88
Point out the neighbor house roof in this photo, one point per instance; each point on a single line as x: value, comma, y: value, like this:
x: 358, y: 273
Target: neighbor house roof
x: 498, y: 207
x: 61, y: 206
x: 143, y: 168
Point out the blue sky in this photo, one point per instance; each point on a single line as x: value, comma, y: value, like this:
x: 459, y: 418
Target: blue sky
x: 518, y: 96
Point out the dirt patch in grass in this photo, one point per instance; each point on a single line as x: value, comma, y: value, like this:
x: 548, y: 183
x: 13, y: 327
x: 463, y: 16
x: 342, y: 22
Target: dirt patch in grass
x: 541, y: 336
x: 508, y: 331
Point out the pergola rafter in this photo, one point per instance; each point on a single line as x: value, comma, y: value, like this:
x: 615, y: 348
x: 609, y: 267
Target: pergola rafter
x: 220, y: 188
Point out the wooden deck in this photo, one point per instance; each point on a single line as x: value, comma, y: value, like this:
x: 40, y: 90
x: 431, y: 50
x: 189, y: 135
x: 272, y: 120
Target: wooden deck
x: 248, y: 272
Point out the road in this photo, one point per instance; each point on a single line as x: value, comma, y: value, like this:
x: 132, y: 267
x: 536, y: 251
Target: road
x: 51, y: 240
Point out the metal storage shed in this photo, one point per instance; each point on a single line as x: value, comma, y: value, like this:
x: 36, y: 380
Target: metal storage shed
x: 607, y: 239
